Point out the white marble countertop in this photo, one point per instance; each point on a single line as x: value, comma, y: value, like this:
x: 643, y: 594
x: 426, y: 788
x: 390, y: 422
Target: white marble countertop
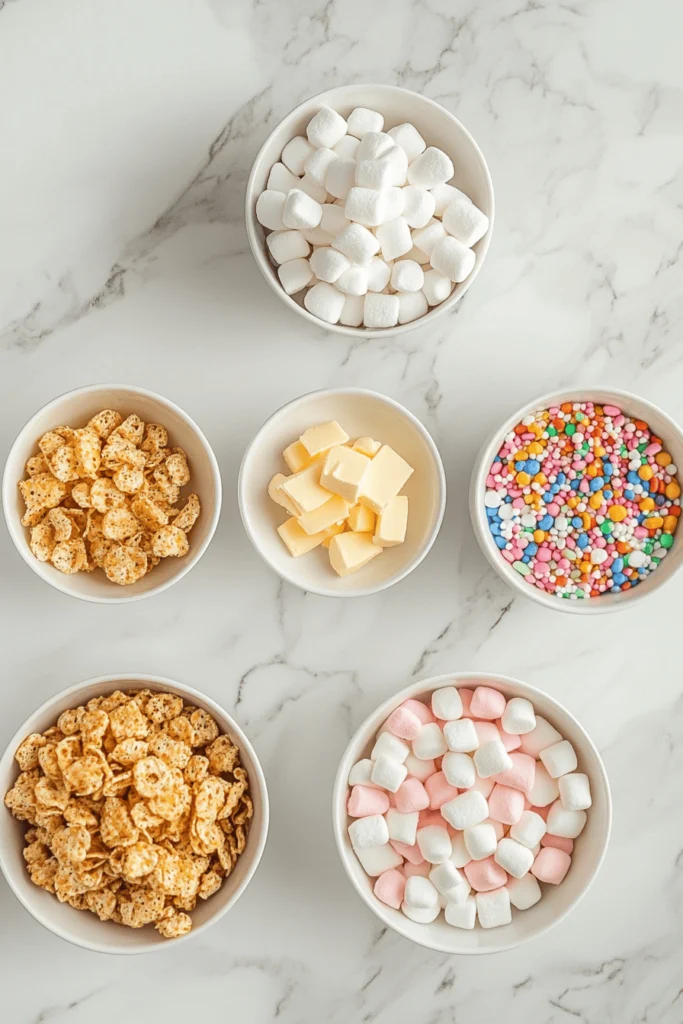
x: 127, y: 132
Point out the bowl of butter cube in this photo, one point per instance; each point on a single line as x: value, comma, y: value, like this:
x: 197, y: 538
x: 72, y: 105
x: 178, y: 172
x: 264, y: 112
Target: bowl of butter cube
x: 342, y: 492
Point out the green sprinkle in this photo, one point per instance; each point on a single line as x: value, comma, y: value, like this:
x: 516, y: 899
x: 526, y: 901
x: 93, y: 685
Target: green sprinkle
x: 570, y: 429
x: 522, y: 568
x: 551, y: 432
x: 642, y: 447
x: 606, y: 527
x: 579, y: 416
x: 648, y: 549
x: 656, y: 561
x: 666, y: 540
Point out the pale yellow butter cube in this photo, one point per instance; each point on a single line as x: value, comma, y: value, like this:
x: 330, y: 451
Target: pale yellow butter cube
x: 296, y: 457
x: 332, y: 532
x: 343, y: 472
x: 333, y: 511
x: 362, y: 519
x: 385, y: 477
x: 323, y: 437
x: 278, y: 495
x: 297, y: 541
x: 304, y: 489
x: 367, y: 446
x: 351, y: 551
x: 392, y: 522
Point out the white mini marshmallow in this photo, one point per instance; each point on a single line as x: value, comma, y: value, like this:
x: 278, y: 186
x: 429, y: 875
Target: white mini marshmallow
x: 318, y: 164
x: 361, y: 772
x: 431, y: 168
x: 462, y: 915
x: 353, y: 281
x: 418, y: 207
x: 395, y: 238
x: 371, y: 830
x: 373, y: 145
x: 428, y: 237
x: 340, y: 177
x: 446, y: 701
x: 459, y: 854
x: 445, y: 877
x: 374, y: 173
x: 498, y: 828
x: 295, y: 275
x: 379, y: 274
x: 420, y: 768
x: 269, y: 206
x: 491, y: 758
x: 420, y: 893
x: 357, y: 243
x: 465, y: 810
x: 402, y: 827
x: 300, y: 211
x: 377, y: 859
x: 524, y: 892
x: 411, y: 306
x: 457, y: 895
x: 444, y: 196
x: 363, y: 120
x: 394, y: 202
x: 407, y: 276
x: 560, y: 758
x: 333, y: 220
x: 328, y: 264
x: 437, y: 287
x: 529, y: 830
x: 453, y: 259
x: 542, y: 736
x: 409, y: 139
x: 391, y: 746
x: 347, y: 147
x: 388, y: 772
x: 513, y: 857
x: 317, y: 237
x: 380, y: 311
x: 564, y: 823
x: 461, y: 736
x: 544, y: 790
x: 324, y: 301
x: 493, y: 908
x: 459, y: 770
x: 287, y: 245
x: 434, y: 843
x: 418, y: 915
x: 430, y: 741
x: 296, y: 153
x: 519, y: 716
x: 281, y: 179
x: 575, y: 791
x: 352, y: 313
x: 480, y: 840
x: 365, y: 206
x: 398, y: 162
x: 465, y: 221
x: 316, y: 192
x: 326, y: 128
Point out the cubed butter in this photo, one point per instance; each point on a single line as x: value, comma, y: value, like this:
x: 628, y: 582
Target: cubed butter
x: 367, y: 446
x: 343, y: 472
x: 323, y: 437
x: 297, y: 541
x: 385, y: 476
x: 362, y: 519
x: 333, y: 511
x: 332, y: 532
x: 351, y: 551
x: 392, y: 522
x: 304, y: 489
x: 296, y: 457
x: 279, y: 496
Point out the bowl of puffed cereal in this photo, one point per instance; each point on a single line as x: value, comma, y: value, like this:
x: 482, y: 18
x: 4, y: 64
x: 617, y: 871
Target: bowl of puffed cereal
x: 136, y: 811
x: 111, y: 493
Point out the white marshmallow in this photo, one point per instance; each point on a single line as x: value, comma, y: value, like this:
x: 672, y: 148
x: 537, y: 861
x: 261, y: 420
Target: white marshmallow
x: 420, y: 893
x: 431, y: 168
x: 391, y: 746
x: 445, y: 877
x: 459, y: 770
x: 461, y: 736
x: 269, y: 206
x: 388, y: 772
x: 373, y: 145
x: 491, y: 758
x: 498, y: 828
x: 300, y: 211
x: 418, y: 915
x: 418, y: 206
x: 317, y: 237
x: 444, y: 196
x: 560, y: 758
x: 459, y: 854
x: 371, y: 830
x: 544, y: 790
x: 513, y: 857
x: 457, y: 895
x: 333, y: 220
x: 294, y: 275
x: 374, y: 173
x: 564, y: 823
x: 493, y: 908
x: 287, y: 245
x: 575, y: 791
x: 529, y: 830
x: 428, y: 237
x: 340, y: 177
x: 411, y: 306
x: 347, y: 147
x: 365, y: 206
x: 465, y: 221
x: 480, y: 840
x: 281, y: 179
x: 409, y: 139
x: 394, y: 238
x: 326, y: 128
x: 353, y: 281
x: 352, y: 313
x: 398, y: 162
x: 380, y: 311
x: 377, y: 859
x: 318, y: 164
x: 542, y: 736
x: 465, y: 810
x: 418, y: 255
x: 379, y: 274
x: 461, y: 915
x: 437, y: 287
x: 434, y: 843
x: 407, y: 276
x: 316, y: 192
x: 519, y: 716
x: 360, y: 773
x: 328, y: 264
x: 363, y: 120
x: 430, y: 741
x: 402, y: 827
x: 446, y: 701
x: 524, y: 892
x: 420, y: 768
x: 394, y: 201
x: 296, y: 153
x: 453, y: 259
x: 324, y: 301
x: 357, y: 243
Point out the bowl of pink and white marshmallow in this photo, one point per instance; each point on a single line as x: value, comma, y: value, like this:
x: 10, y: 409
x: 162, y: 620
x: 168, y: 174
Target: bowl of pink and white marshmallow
x: 369, y: 210
x: 471, y: 812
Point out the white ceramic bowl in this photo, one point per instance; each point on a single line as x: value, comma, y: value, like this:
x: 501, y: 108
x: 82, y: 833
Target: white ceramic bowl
x: 74, y: 409
x: 360, y: 413
x: 557, y: 901
x: 632, y: 405
x: 85, y: 929
x: 438, y: 127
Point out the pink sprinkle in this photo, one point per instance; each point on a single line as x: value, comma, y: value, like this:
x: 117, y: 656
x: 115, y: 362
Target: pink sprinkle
x: 543, y: 554
x: 553, y: 509
x: 542, y: 568
x: 564, y: 563
x: 640, y: 532
x: 611, y: 410
x: 652, y: 449
x: 507, y: 555
x: 584, y: 487
x: 518, y: 502
x: 600, y: 542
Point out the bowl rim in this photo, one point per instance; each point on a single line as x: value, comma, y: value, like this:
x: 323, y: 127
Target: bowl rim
x: 15, y: 529
x: 244, y: 743
x: 606, y: 604
x: 440, y: 473
x: 383, y: 710
x: 264, y: 265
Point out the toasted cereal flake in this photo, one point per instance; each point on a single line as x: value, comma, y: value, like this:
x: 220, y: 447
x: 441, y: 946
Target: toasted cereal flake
x: 48, y: 761
x: 197, y: 768
x: 78, y: 812
x: 205, y: 727
x: 93, y: 725
x: 173, y: 752
x: 209, y: 797
x: 70, y: 556
x: 129, y: 479
x: 105, y: 422
x: 81, y: 494
x: 177, y: 468
x: 105, y: 495
x: 151, y: 776
x: 170, y: 542
x: 171, y: 803
x: 210, y: 883
x: 120, y: 524
x: 162, y: 707
x: 141, y: 858
x: 27, y: 753
x: 67, y: 751
x: 42, y: 491
x: 132, y: 428
x: 175, y: 925
x: 85, y: 775
x: 223, y: 755
x: 165, y: 485
x: 102, y: 902
x: 61, y: 523
x: 71, y: 844
x: 54, y: 439
x: 64, y: 463
x: 127, y: 721
x: 116, y: 825
x: 42, y: 541
x: 148, y: 512
x: 88, y: 448
x: 129, y: 750
x: 37, y: 464
x: 156, y: 437
x: 117, y: 785
x: 49, y: 793
x: 125, y: 564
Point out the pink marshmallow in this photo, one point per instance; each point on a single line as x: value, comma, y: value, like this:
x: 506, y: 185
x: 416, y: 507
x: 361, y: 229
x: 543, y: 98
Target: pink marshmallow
x: 390, y: 887
x: 508, y: 739
x: 404, y: 723
x: 486, y: 731
x: 484, y: 875
x: 466, y: 698
x: 430, y: 818
x: 440, y: 791
x: 551, y: 865
x: 487, y: 703
x: 506, y: 804
x: 411, y: 853
x: 363, y: 801
x: 417, y: 869
x: 420, y: 710
x: 411, y: 796
x: 521, y: 775
x: 559, y: 842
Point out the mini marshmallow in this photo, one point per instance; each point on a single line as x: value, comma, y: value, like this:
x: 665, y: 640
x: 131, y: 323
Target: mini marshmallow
x: 559, y: 842
x: 365, y: 800
x: 403, y: 723
x: 419, y: 768
x: 431, y: 168
x: 411, y: 796
x: 498, y: 828
x: 333, y: 221
x: 388, y: 772
x: 281, y: 179
x: 287, y: 245
x: 317, y: 192
x: 373, y: 145
x: 325, y: 128
x: 352, y: 313
x: 446, y: 702
x: 390, y: 887
x: 509, y: 740
x: 444, y: 196
x: 377, y: 859
x: 480, y: 841
x: 362, y: 120
x: 397, y: 161
x: 483, y: 786
x: 461, y: 736
x: 493, y: 908
x: 417, y: 707
x: 487, y: 703
x: 353, y: 281
x: 418, y: 207
x: 459, y: 770
x: 484, y: 875
x: 506, y: 804
x: 434, y: 843
x: 411, y: 306
x: 379, y: 274
x: 461, y: 915
x: 544, y: 790
x: 391, y: 746
x: 360, y: 773
x: 357, y: 243
x: 524, y: 892
x: 407, y: 276
x: 430, y: 741
x: 340, y: 177
x: 295, y: 275
x: 394, y: 203
x: 269, y: 206
x: 575, y: 791
x: 296, y: 153
x: 427, y: 238
x: 394, y: 238
x: 542, y: 736
x: 453, y: 259
x: 318, y: 164
x: 374, y: 173
x: 551, y: 865
x: 522, y: 773
x: 513, y: 857
x: 325, y: 301
x: 328, y: 264
x: 420, y: 893
x: 491, y: 758
x: 445, y: 877
x: 439, y: 790
x: 560, y: 758
x: 366, y: 206
x: 486, y: 732
x: 428, y: 817
x: 316, y: 237
x: 409, y: 139
x: 529, y: 830
x: 411, y: 853
x: 460, y: 854
x: 568, y: 824
x: 347, y: 147
x: 467, y: 223
x: 300, y: 211
x: 369, y: 831
x: 419, y: 915
x: 468, y: 809
x: 402, y: 827
x: 519, y: 716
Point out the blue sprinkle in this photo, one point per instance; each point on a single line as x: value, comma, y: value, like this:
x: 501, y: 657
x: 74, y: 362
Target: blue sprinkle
x: 607, y: 494
x: 660, y: 500
x: 618, y: 578
x: 494, y: 528
x: 533, y: 466
x: 561, y: 478
x: 519, y: 466
x: 492, y: 512
x: 607, y: 469
x: 548, y: 496
x: 577, y: 522
x: 634, y: 581
x: 500, y: 541
x: 617, y: 565
x: 596, y: 483
x: 531, y: 549
x: 526, y: 558
x: 555, y: 488
x: 582, y: 540
x: 546, y: 523
x: 633, y: 478
x: 628, y: 493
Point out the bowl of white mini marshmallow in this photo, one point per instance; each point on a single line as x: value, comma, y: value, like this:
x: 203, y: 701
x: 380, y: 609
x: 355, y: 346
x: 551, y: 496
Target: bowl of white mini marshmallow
x: 369, y: 210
